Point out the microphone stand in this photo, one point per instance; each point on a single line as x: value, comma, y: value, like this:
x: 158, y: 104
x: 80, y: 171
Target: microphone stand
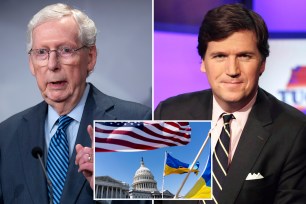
x: 37, y: 153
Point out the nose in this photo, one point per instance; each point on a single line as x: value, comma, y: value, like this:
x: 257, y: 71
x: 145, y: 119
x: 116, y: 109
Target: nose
x: 53, y: 63
x: 232, y: 68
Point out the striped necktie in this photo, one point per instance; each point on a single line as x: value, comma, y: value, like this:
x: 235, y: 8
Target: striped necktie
x: 58, y: 158
x: 220, y: 157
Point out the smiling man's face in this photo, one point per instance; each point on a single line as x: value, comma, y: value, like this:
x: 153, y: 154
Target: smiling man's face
x: 233, y: 66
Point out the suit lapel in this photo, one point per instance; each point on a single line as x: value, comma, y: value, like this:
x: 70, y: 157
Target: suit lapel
x: 32, y: 135
x: 251, y: 143
x: 96, y: 107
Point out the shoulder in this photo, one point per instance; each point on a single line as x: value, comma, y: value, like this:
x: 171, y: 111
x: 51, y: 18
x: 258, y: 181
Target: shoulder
x: 180, y: 106
x: 18, y: 117
x: 127, y: 110
x: 283, y: 111
x: 121, y: 109
x: 282, y: 120
x: 11, y: 125
x: 188, y: 98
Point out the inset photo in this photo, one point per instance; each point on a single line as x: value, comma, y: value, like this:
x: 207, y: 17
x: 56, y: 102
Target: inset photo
x: 152, y: 160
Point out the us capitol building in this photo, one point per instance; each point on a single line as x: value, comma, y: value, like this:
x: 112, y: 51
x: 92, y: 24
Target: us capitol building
x: 144, y: 186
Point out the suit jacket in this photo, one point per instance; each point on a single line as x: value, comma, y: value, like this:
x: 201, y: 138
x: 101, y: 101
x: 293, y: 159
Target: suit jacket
x: 272, y: 143
x: 21, y: 176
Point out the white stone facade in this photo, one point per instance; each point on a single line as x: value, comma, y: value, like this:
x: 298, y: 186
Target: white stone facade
x: 107, y: 187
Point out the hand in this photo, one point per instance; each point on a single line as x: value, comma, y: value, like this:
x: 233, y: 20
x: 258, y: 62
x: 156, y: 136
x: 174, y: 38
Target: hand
x: 84, y: 158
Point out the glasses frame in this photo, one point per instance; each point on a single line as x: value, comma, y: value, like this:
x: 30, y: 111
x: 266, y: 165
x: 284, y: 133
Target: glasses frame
x: 57, y: 51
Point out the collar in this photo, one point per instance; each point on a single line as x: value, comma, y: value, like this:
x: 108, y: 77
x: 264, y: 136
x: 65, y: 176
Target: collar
x: 76, y: 112
x: 241, y: 115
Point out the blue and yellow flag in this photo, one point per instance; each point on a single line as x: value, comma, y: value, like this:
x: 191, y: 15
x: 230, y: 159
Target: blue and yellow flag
x: 174, y: 166
x: 202, y: 188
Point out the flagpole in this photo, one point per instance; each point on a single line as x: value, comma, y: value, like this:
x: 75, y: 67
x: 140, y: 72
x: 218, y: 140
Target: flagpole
x: 193, y: 163
x: 164, y: 175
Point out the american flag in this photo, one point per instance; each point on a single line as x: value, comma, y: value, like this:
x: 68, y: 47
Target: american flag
x: 139, y: 136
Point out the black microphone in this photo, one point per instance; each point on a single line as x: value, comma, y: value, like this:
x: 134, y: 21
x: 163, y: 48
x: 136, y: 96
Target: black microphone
x: 38, y: 153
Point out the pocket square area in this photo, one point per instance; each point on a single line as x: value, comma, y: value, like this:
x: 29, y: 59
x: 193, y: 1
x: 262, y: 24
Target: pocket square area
x: 254, y: 176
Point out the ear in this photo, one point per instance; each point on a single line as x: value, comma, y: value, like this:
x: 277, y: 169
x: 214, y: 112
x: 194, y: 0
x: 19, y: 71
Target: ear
x: 32, y: 69
x: 92, y: 58
x: 203, y: 69
x: 262, y: 68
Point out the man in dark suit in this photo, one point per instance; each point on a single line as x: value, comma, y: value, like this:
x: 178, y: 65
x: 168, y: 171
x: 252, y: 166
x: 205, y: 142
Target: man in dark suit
x: 62, y: 54
x: 266, y: 159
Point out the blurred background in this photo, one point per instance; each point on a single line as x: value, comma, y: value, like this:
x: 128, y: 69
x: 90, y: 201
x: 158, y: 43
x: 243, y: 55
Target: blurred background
x: 177, y: 64
x: 124, y: 43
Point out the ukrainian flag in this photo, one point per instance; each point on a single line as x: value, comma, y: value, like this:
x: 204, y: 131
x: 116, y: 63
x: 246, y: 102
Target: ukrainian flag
x: 174, y: 166
x: 202, y: 188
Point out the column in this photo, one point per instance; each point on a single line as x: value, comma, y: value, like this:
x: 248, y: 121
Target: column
x: 96, y: 191
x: 100, y: 191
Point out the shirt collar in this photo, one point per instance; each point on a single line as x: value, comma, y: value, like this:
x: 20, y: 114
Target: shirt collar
x: 76, y: 112
x: 240, y: 115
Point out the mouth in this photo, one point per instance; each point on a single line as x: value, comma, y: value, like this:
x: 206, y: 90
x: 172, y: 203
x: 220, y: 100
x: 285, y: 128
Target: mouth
x: 232, y: 84
x: 57, y: 84
x: 232, y: 81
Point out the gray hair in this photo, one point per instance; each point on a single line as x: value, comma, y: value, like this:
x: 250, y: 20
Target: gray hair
x: 87, y: 28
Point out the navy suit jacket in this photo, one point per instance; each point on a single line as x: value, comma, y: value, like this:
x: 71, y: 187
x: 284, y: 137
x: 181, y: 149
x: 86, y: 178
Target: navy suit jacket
x: 21, y: 176
x: 272, y: 143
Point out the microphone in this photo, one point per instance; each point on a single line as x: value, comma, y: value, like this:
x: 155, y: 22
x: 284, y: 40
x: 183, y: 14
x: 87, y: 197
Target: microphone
x: 38, y: 153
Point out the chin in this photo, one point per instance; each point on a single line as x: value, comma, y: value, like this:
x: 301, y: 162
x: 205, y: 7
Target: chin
x: 232, y: 96
x: 56, y: 98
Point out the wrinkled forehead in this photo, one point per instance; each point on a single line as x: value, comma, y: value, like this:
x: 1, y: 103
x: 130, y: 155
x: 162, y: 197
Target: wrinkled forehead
x: 64, y: 28
x: 66, y: 20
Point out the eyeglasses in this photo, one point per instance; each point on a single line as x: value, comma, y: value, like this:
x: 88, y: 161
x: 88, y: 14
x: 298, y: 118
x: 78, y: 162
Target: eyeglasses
x: 65, y: 53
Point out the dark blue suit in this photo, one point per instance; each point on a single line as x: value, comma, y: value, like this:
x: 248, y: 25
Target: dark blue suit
x: 21, y: 177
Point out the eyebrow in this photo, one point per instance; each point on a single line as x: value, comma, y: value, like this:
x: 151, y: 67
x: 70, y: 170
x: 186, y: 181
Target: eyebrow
x: 225, y: 53
x: 246, y: 53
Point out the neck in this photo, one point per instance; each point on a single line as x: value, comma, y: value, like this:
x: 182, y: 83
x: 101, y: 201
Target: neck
x: 66, y: 106
x: 63, y: 108
x: 234, y: 106
x: 231, y: 107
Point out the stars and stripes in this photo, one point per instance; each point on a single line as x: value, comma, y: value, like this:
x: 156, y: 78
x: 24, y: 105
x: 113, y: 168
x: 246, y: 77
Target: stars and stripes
x: 138, y: 136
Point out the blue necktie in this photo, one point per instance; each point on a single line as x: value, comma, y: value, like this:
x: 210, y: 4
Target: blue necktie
x: 58, y: 158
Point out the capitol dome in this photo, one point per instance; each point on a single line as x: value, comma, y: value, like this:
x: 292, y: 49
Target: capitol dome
x: 144, y: 179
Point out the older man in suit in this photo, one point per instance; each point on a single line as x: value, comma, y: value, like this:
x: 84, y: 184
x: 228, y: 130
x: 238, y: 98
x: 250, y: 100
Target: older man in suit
x: 62, y: 53
x: 261, y: 139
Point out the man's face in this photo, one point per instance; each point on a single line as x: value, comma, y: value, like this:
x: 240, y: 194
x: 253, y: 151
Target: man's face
x: 61, y: 80
x: 233, y: 66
